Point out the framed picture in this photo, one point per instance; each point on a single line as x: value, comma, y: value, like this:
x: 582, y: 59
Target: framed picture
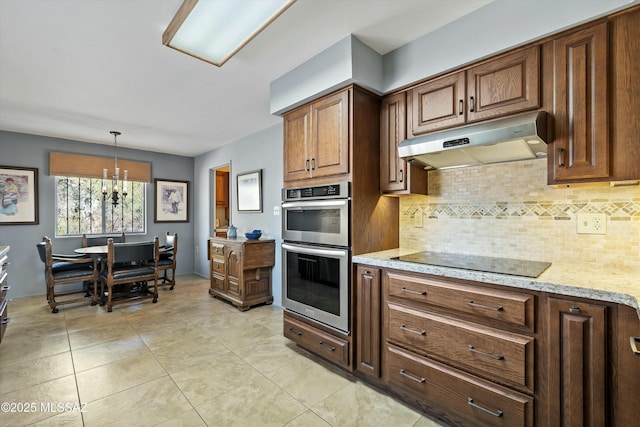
x: 250, y: 191
x: 172, y: 201
x: 19, y: 195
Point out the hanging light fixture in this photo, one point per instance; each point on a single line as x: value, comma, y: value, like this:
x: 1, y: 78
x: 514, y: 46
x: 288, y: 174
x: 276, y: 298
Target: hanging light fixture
x: 115, y: 196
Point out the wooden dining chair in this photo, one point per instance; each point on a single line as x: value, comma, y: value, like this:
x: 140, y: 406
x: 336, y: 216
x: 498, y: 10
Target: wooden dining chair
x: 130, y: 266
x: 65, y: 269
x: 167, y: 261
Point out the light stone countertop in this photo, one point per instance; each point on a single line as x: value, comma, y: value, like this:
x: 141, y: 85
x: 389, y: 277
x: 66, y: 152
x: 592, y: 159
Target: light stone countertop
x: 604, y: 284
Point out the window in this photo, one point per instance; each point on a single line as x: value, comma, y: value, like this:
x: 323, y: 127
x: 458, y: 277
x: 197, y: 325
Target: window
x: 80, y: 208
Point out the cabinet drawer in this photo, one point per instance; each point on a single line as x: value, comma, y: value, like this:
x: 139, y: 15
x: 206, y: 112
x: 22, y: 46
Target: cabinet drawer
x: 217, y: 282
x: 218, y: 266
x: 500, y: 356
x: 216, y: 249
x: 478, y: 401
x: 233, y: 288
x: 316, y: 341
x: 508, y: 307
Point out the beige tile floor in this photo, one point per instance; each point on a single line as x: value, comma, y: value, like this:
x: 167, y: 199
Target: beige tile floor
x: 189, y: 360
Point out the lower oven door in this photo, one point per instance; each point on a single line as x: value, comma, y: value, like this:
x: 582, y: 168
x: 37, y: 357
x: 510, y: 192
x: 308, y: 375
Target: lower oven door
x: 316, y: 283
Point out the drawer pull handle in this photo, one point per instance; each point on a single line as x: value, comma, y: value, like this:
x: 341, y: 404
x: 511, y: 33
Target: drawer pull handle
x: 413, y: 331
x: 412, y: 377
x: 295, y: 332
x: 497, y: 413
x: 411, y: 291
x: 493, y: 356
x: 6, y: 287
x: 634, y: 347
x: 5, y: 321
x: 560, y: 157
x: 328, y: 347
x: 496, y: 308
x: 574, y: 309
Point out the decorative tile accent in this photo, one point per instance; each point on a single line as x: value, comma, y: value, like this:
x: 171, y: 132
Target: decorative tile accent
x: 619, y: 210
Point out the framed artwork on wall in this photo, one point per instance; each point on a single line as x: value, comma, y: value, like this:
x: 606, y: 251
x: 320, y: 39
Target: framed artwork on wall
x: 250, y: 191
x: 18, y: 195
x: 171, y: 201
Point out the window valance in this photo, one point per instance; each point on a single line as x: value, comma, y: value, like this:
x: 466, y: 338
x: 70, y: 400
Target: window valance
x: 67, y: 164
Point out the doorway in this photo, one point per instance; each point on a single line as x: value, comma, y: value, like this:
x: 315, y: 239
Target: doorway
x: 220, y: 200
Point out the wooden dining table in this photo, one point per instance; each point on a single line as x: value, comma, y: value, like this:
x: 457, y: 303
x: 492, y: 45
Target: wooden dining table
x: 93, y: 250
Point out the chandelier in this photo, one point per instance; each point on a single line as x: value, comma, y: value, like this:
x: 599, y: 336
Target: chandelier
x: 115, y: 196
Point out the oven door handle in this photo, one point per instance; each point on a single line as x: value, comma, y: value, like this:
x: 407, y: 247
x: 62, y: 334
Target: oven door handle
x: 317, y: 203
x: 314, y: 251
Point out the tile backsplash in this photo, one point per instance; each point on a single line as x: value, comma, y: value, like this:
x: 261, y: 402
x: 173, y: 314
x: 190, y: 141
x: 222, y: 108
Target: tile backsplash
x: 507, y: 210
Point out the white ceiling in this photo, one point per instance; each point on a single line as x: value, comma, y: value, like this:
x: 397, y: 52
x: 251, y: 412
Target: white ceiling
x: 76, y: 69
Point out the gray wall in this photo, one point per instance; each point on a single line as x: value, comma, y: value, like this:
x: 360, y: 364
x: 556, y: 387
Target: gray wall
x: 262, y: 150
x: 26, y: 270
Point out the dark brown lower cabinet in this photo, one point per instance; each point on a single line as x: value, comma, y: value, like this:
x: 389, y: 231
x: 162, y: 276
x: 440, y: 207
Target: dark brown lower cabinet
x: 577, y: 363
x: 368, y: 321
x: 479, y: 402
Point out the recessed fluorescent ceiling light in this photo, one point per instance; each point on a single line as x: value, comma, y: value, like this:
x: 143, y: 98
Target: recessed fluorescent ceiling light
x: 214, y: 30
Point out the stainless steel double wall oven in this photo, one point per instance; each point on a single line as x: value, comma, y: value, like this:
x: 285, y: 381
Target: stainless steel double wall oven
x: 316, y: 253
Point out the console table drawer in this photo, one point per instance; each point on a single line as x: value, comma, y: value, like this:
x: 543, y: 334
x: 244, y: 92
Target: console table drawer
x: 478, y: 401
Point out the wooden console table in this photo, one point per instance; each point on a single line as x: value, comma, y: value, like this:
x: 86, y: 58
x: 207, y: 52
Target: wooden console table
x: 240, y: 270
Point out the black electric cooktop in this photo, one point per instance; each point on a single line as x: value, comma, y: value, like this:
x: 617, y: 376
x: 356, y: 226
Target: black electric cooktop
x: 515, y: 267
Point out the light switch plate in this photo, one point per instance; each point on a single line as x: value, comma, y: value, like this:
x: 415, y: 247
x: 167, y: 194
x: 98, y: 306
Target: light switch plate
x: 417, y: 219
x: 276, y: 210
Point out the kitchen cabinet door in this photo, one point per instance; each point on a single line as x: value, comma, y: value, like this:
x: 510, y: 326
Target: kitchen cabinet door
x: 368, y: 347
x: 329, y: 154
x: 436, y: 104
x: 506, y: 85
x: 581, y: 146
x: 396, y: 175
x: 577, y: 348
x: 297, y: 124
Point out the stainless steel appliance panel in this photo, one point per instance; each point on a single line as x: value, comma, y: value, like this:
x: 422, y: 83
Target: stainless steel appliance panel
x: 316, y: 283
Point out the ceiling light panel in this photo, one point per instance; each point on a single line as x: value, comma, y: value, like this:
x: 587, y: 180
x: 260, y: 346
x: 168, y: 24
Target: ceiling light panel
x: 214, y: 30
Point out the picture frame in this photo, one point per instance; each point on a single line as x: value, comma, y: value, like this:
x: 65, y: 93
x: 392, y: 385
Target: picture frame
x: 171, y: 200
x: 18, y: 196
x: 249, y: 191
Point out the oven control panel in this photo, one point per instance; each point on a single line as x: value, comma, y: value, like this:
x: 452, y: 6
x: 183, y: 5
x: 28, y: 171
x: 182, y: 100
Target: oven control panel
x: 328, y: 191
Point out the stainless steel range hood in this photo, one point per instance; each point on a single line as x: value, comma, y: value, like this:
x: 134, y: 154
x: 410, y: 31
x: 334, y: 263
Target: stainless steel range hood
x: 504, y: 140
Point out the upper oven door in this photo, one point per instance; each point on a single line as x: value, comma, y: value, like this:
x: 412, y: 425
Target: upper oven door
x: 324, y: 222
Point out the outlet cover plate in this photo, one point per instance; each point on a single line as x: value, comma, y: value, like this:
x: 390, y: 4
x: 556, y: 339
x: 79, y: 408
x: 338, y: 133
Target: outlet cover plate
x: 592, y: 223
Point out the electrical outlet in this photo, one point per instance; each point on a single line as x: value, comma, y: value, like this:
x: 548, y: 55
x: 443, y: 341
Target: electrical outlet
x: 592, y: 223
